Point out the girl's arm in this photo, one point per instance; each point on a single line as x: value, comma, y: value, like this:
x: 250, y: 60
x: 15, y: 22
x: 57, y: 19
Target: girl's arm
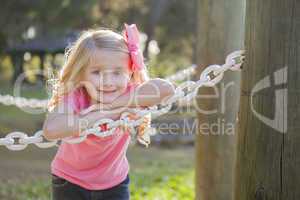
x: 149, y: 93
x: 63, y: 123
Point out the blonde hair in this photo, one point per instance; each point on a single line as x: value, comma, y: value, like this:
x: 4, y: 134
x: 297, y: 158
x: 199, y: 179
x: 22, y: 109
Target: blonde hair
x: 77, y: 58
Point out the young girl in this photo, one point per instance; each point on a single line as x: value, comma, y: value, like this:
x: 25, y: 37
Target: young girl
x: 104, y: 74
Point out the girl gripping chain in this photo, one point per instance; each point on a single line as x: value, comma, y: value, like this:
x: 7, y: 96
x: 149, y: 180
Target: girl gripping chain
x: 104, y: 75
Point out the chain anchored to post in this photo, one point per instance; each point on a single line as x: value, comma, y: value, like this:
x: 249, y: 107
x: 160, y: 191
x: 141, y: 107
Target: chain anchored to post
x: 185, y: 92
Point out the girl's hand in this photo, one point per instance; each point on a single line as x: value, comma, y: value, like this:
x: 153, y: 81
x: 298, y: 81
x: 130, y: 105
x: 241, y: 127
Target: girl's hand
x: 92, y: 116
x: 98, y: 106
x: 149, y: 93
x: 113, y: 112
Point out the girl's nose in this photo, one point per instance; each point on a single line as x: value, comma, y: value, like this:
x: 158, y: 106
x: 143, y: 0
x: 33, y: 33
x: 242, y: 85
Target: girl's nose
x: 107, y: 81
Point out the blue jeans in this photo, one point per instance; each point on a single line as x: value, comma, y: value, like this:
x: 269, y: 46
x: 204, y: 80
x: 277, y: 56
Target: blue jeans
x: 65, y: 190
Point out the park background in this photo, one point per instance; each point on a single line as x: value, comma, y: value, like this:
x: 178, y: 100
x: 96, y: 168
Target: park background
x: 260, y: 160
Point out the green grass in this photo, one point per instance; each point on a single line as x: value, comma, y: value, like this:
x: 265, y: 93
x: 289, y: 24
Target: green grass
x: 156, y: 174
x: 30, y: 190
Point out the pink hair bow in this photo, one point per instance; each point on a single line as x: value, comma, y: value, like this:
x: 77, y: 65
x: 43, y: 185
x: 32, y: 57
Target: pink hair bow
x: 131, y: 36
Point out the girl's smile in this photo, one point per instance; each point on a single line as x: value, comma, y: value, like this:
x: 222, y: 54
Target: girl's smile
x: 102, y: 93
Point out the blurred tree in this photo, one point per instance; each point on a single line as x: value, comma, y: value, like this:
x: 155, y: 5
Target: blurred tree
x: 170, y: 23
x: 157, y: 9
x: 220, y: 31
x: 175, y: 33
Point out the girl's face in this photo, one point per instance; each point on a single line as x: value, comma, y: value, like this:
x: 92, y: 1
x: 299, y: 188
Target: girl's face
x: 107, y: 75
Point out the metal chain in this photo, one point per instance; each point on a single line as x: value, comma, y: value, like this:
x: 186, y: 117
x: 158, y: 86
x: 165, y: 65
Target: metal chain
x: 19, y: 140
x: 22, y: 102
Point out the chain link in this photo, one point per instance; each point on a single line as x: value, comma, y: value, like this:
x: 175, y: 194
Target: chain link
x: 186, y: 91
x: 22, y: 102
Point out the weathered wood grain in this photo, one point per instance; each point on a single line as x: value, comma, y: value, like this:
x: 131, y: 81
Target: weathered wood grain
x: 268, y: 162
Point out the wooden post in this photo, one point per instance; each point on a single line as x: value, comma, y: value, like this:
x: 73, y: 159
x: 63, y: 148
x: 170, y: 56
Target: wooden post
x: 268, y: 165
x: 220, y: 31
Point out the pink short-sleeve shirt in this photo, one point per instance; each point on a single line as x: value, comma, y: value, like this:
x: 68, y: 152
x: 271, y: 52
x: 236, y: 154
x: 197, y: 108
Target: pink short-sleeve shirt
x: 96, y: 163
